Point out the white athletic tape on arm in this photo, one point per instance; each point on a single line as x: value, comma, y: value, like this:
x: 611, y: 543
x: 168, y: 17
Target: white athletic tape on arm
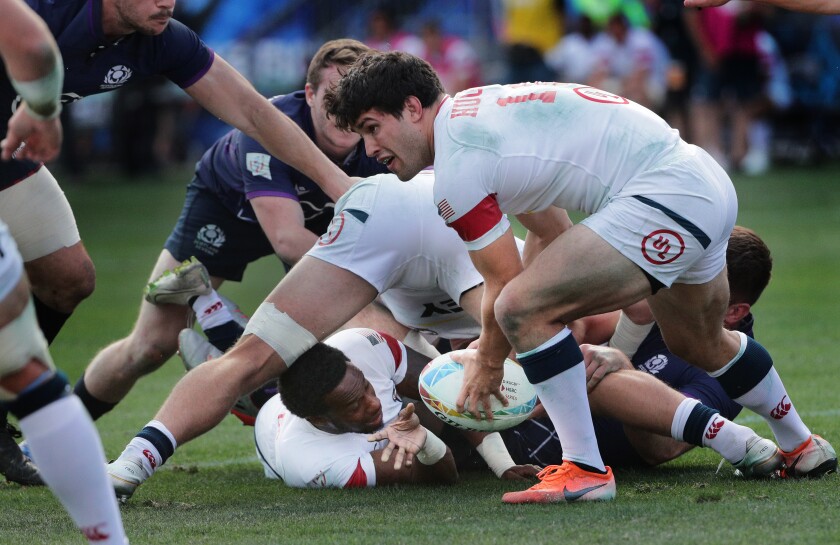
x: 496, y: 454
x: 22, y: 341
x: 43, y: 95
x: 419, y: 344
x: 279, y: 331
x: 433, y: 450
x: 629, y: 335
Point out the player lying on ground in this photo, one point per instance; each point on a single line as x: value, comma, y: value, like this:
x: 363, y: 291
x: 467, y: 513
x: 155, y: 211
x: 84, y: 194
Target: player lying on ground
x: 660, y: 214
x: 372, y: 247
x: 61, y: 436
x: 241, y: 205
x: 623, y: 442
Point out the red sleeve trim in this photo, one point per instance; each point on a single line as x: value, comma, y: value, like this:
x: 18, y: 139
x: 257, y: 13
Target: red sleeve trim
x: 479, y: 221
x: 394, y: 346
x: 358, y: 479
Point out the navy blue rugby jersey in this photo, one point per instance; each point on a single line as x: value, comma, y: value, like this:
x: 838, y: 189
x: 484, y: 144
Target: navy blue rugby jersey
x: 654, y: 358
x: 237, y: 168
x: 93, y: 65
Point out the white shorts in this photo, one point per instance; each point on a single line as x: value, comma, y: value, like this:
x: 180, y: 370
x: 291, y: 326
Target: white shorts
x: 38, y: 215
x: 11, y: 264
x: 673, y: 222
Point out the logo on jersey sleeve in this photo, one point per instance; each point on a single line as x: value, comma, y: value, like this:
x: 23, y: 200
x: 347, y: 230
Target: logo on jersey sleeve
x: 662, y: 246
x: 116, y: 76
x: 445, y: 210
x: 257, y: 164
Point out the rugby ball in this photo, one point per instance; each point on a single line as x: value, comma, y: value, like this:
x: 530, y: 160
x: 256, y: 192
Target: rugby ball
x: 441, y: 380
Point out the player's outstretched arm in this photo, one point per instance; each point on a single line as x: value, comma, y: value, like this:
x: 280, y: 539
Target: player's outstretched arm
x: 418, y: 454
x: 228, y: 95
x: 824, y: 7
x: 35, y: 69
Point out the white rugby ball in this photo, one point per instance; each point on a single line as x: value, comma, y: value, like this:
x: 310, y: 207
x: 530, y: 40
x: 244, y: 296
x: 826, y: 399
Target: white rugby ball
x: 441, y: 380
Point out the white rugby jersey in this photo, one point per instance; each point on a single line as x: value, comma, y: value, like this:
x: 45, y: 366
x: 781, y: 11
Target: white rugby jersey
x: 514, y: 149
x: 388, y: 233
x: 292, y: 449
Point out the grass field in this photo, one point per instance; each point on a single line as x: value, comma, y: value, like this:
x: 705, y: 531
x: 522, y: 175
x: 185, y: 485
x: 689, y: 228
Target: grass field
x: 212, y: 490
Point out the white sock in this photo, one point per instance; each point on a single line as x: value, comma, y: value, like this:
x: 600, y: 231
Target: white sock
x: 69, y: 455
x: 565, y: 400
x: 210, y: 310
x: 770, y: 400
x: 727, y: 438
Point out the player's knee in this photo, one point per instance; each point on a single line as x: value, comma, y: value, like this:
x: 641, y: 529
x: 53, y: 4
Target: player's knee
x: 145, y: 352
x: 510, y: 312
x: 66, y: 289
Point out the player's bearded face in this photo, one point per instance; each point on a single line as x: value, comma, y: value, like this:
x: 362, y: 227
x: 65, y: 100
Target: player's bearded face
x: 148, y: 17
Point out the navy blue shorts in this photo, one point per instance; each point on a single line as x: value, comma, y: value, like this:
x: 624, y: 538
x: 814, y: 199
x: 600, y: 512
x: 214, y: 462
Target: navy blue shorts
x: 535, y: 442
x: 209, y: 231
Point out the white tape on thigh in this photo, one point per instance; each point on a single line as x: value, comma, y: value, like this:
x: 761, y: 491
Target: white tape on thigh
x: 279, y: 331
x: 21, y: 341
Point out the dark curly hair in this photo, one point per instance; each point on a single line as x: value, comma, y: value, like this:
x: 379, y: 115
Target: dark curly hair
x: 749, y: 264
x: 315, y: 374
x: 382, y: 81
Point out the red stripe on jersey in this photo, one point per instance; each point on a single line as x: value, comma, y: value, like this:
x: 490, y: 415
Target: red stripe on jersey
x: 479, y: 221
x: 358, y: 479
x: 394, y: 345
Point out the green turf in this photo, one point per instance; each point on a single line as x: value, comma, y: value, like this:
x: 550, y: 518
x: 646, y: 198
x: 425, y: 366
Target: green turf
x: 212, y: 490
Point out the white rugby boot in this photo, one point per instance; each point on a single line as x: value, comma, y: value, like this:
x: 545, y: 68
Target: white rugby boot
x: 763, y: 459
x: 812, y: 459
x: 126, y: 475
x: 179, y: 285
x: 194, y: 349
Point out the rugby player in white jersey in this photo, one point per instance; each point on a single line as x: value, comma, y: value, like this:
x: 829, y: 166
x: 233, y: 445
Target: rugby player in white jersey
x: 386, y: 238
x: 660, y: 214
x: 315, y: 432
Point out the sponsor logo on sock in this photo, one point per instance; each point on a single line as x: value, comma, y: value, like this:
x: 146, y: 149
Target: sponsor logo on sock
x: 213, y: 308
x: 94, y: 533
x: 570, y: 496
x: 151, y: 457
x: 781, y: 410
x: 714, y: 428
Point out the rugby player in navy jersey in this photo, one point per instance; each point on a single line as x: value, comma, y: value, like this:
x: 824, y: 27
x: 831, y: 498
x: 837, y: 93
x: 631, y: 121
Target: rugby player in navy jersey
x: 107, y: 44
x: 61, y: 435
x: 241, y: 205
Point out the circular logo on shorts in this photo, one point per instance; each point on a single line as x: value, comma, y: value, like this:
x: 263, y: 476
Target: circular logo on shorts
x: 336, y: 225
x: 662, y: 246
x: 212, y: 235
x: 598, y: 95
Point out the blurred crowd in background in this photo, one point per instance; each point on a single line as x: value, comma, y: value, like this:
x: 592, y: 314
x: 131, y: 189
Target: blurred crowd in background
x: 752, y: 84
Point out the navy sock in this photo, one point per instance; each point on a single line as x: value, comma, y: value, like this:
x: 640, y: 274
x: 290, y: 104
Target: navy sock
x: 224, y: 336
x: 49, y: 320
x: 695, y: 425
x: 745, y: 374
x: 95, y: 407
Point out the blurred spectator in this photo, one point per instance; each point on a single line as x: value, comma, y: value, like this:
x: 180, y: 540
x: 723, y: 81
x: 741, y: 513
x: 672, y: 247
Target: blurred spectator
x: 667, y: 22
x: 729, y: 81
x: 453, y: 58
x: 600, y: 11
x: 385, y: 34
x: 631, y: 62
x: 572, y: 58
x: 530, y: 29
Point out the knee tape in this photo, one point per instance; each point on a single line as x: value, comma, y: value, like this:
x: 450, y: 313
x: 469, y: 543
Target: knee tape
x: 279, y: 331
x: 21, y: 341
